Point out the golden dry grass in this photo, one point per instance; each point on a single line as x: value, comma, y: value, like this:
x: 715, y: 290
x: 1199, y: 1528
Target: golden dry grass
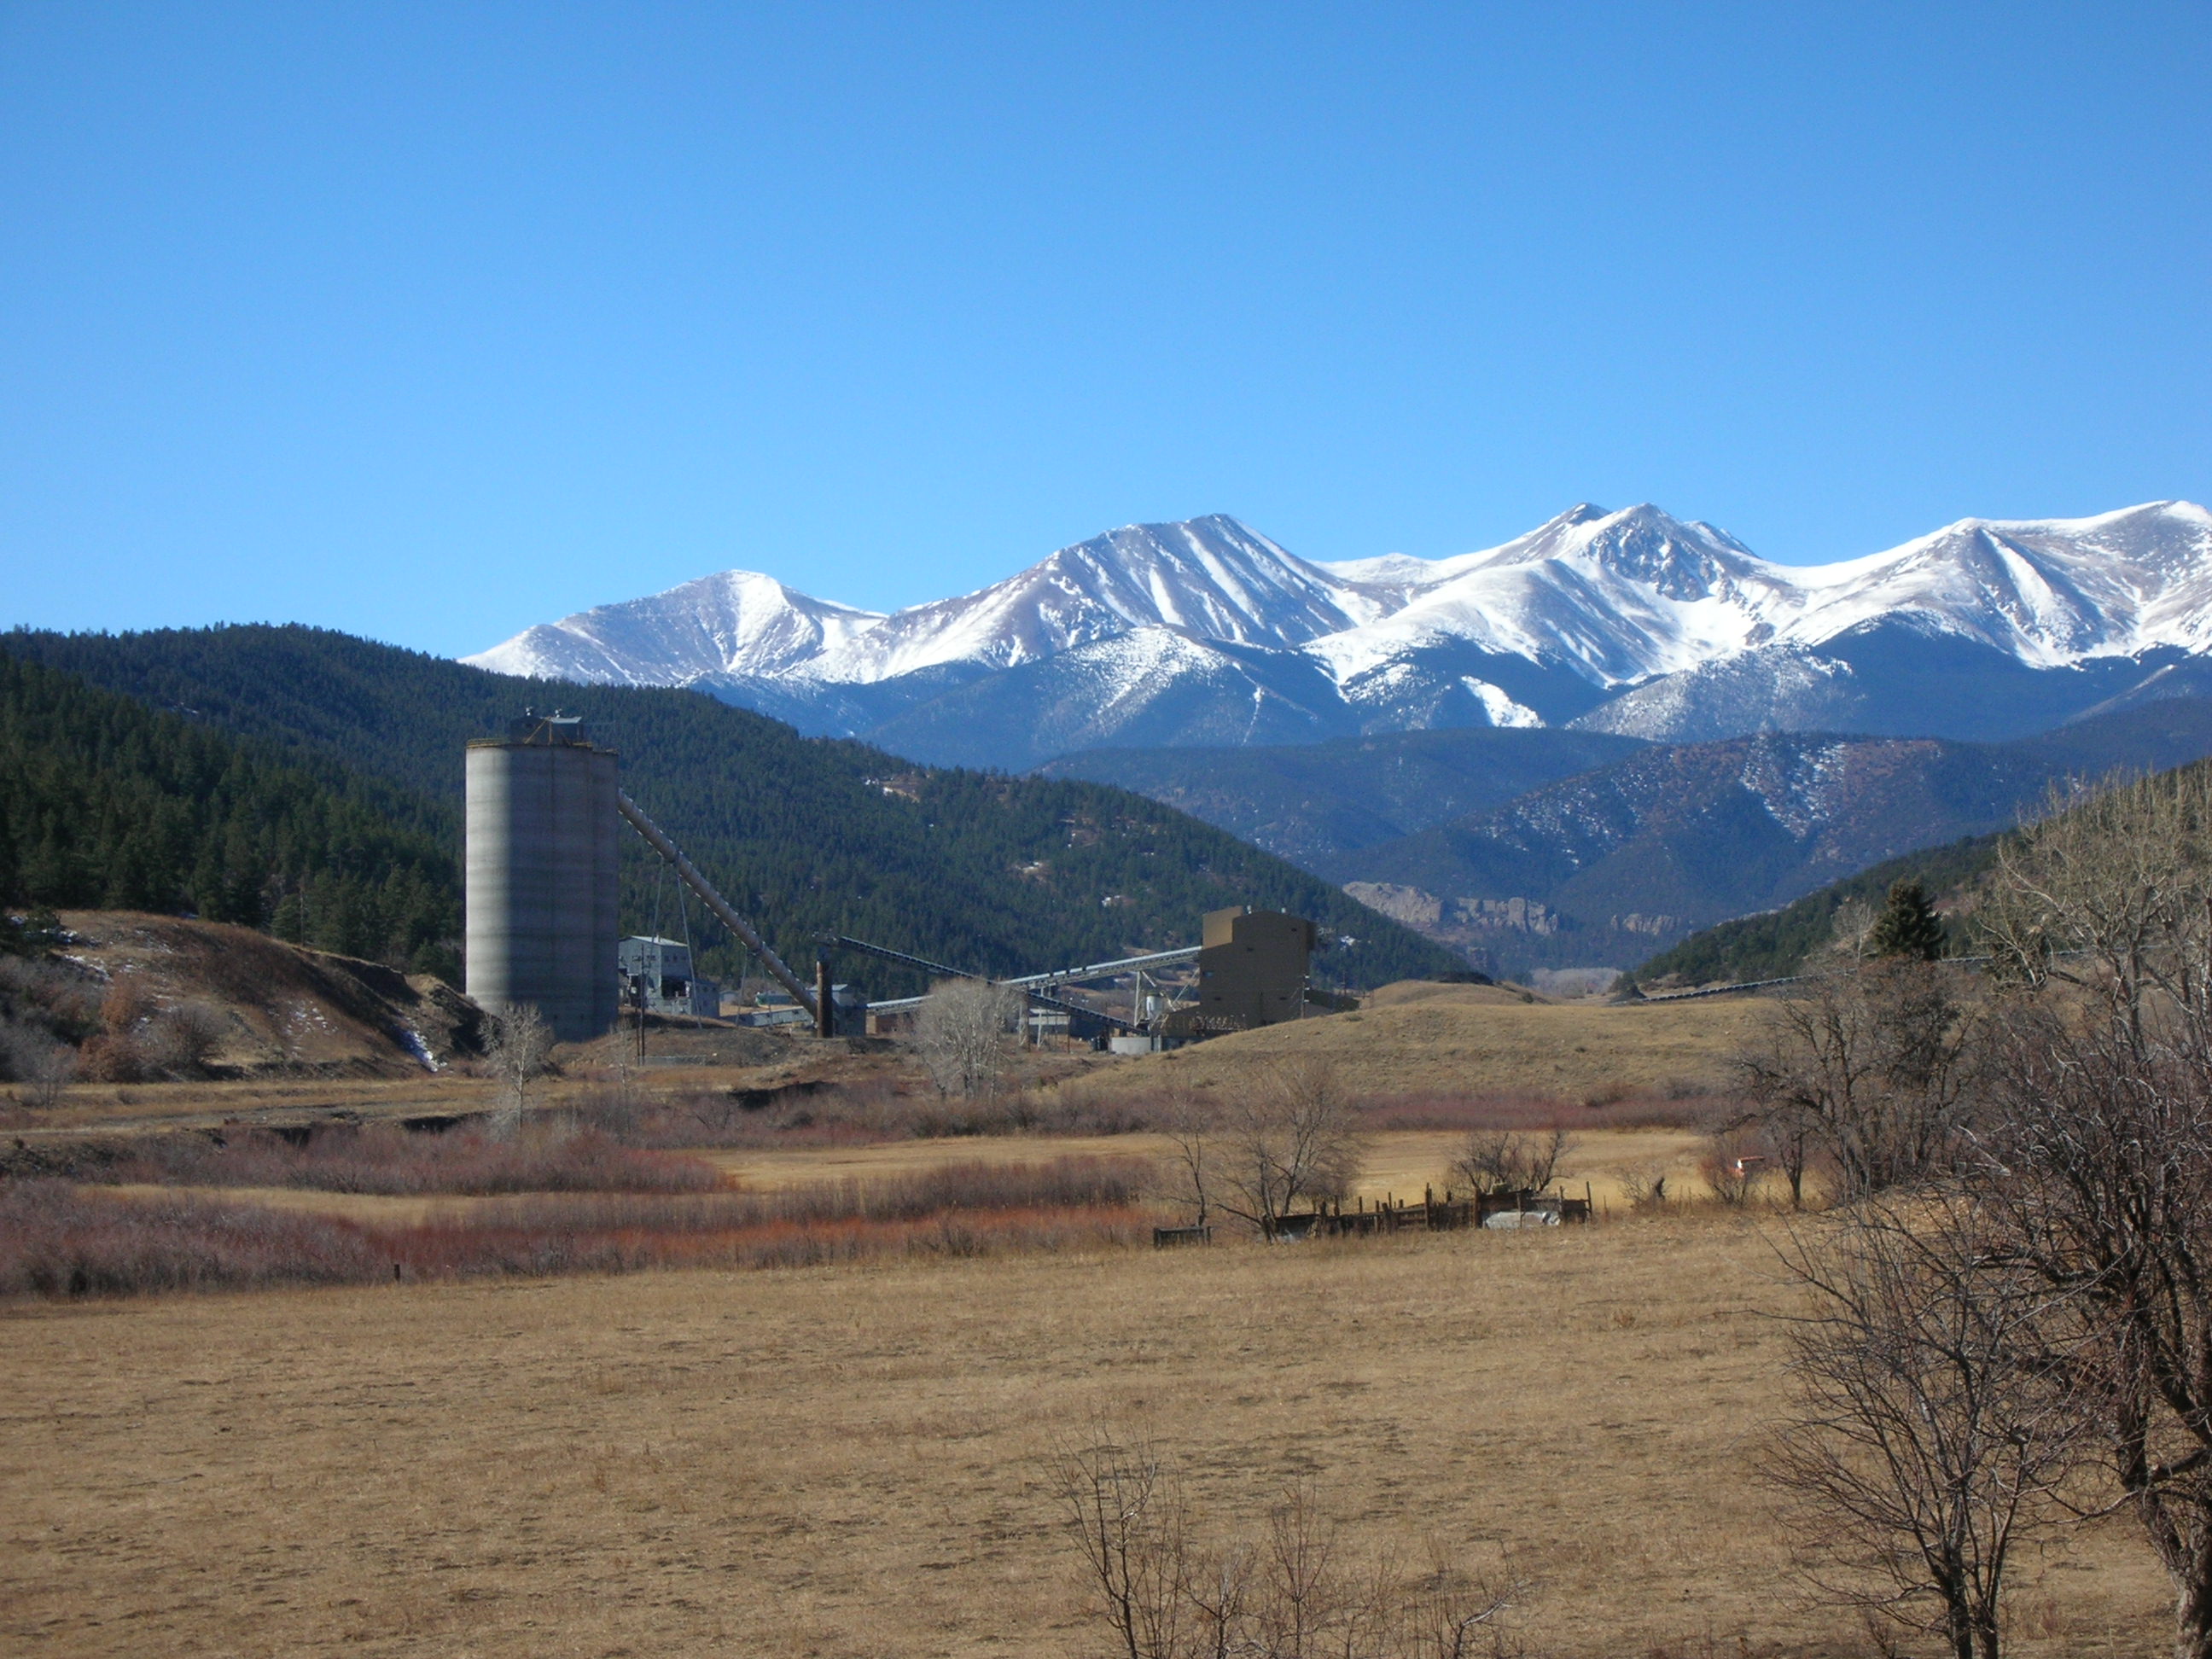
x: 1401, y: 1162
x: 1473, y: 1039
x: 846, y: 1462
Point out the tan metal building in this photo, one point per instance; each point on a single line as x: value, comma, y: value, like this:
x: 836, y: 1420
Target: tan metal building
x: 1252, y: 970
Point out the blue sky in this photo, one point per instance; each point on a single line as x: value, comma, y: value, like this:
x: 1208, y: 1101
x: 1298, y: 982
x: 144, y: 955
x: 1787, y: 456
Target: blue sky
x: 429, y: 322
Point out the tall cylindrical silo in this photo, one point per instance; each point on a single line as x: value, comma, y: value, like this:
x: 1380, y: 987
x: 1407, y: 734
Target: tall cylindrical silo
x: 541, y: 898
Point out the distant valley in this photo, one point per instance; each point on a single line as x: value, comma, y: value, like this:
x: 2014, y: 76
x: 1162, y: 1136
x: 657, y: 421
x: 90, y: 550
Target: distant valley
x: 1624, y: 848
x: 1610, y: 866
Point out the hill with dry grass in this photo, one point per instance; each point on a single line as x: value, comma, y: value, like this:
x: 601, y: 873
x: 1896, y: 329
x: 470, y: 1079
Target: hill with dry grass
x: 1418, y: 1036
x: 260, y: 1007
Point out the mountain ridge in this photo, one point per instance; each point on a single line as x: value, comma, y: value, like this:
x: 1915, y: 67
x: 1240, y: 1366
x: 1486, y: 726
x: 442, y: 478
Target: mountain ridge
x: 1630, y: 622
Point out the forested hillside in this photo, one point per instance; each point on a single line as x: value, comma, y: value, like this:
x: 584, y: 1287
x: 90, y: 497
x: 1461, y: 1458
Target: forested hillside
x: 106, y: 804
x: 1779, y: 943
x: 813, y: 836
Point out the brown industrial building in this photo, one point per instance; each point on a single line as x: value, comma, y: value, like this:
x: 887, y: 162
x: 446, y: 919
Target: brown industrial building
x: 1252, y: 969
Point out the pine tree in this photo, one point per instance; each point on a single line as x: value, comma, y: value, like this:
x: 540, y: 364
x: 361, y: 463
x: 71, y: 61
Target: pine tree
x: 1908, y: 925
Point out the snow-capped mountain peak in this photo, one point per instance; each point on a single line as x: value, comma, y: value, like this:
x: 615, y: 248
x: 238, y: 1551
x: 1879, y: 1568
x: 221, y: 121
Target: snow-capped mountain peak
x: 2048, y: 592
x: 1211, y: 578
x: 1627, y: 620
x: 736, y: 622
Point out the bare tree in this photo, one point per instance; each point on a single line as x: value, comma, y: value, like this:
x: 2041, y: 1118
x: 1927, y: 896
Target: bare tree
x: 1194, y: 1126
x: 2098, y: 1154
x: 1787, y: 1144
x: 1125, y: 1512
x: 1931, y: 1428
x: 1848, y: 927
x: 1873, y: 1067
x: 2111, y: 894
x: 960, y: 1032
x: 519, y: 1051
x: 1508, y: 1161
x: 1296, y: 1592
x: 1292, y: 1138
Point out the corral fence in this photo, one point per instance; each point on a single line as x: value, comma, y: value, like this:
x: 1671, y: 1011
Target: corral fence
x: 1451, y: 1213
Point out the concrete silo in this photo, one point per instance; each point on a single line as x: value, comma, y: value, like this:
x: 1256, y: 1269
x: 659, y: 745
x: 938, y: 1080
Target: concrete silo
x: 542, y: 927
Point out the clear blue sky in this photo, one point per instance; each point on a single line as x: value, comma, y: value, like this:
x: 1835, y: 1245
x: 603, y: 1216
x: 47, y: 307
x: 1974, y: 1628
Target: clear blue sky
x: 429, y: 322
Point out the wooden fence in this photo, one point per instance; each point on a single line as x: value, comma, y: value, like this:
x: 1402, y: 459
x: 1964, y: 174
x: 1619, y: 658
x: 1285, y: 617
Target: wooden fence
x: 1392, y: 1214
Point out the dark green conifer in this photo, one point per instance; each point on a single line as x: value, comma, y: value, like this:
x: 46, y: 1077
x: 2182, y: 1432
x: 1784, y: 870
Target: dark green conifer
x: 1908, y: 925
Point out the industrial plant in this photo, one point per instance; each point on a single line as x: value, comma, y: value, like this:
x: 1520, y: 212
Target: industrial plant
x: 542, y: 926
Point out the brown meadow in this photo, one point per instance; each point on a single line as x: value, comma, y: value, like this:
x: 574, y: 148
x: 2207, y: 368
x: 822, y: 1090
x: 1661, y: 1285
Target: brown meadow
x: 847, y: 1459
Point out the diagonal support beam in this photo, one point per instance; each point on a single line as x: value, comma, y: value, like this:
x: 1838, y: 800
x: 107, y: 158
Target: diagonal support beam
x: 688, y: 873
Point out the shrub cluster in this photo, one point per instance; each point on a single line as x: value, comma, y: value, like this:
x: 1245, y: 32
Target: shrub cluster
x: 385, y: 1159
x: 61, y: 1240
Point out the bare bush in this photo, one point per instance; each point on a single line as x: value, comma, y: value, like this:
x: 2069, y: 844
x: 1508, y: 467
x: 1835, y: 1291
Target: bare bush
x: 112, y: 1057
x: 57, y: 1240
x: 1931, y: 1429
x: 1872, y: 1067
x: 126, y: 1004
x: 385, y: 1159
x: 43, y: 1067
x: 961, y: 1033
x: 1733, y: 1161
x: 180, y: 1040
x: 1299, y: 1590
x: 1506, y: 1161
x: 1644, y: 1185
x: 518, y: 1052
x: 1292, y: 1138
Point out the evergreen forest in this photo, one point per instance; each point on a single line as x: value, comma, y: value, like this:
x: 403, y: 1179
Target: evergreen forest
x: 105, y: 803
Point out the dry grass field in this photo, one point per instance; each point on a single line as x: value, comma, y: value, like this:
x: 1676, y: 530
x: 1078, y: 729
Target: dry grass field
x: 847, y: 1461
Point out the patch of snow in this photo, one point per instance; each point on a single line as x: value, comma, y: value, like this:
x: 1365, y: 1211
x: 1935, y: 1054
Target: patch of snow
x: 1501, y: 708
x: 411, y: 1041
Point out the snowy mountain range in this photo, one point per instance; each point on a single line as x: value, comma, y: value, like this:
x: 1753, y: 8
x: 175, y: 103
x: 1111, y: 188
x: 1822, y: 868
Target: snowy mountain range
x: 1633, y: 622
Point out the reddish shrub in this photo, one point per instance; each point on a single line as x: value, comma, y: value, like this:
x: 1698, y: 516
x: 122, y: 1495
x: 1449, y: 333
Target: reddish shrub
x: 58, y: 1240
x: 111, y: 1057
x: 385, y: 1159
